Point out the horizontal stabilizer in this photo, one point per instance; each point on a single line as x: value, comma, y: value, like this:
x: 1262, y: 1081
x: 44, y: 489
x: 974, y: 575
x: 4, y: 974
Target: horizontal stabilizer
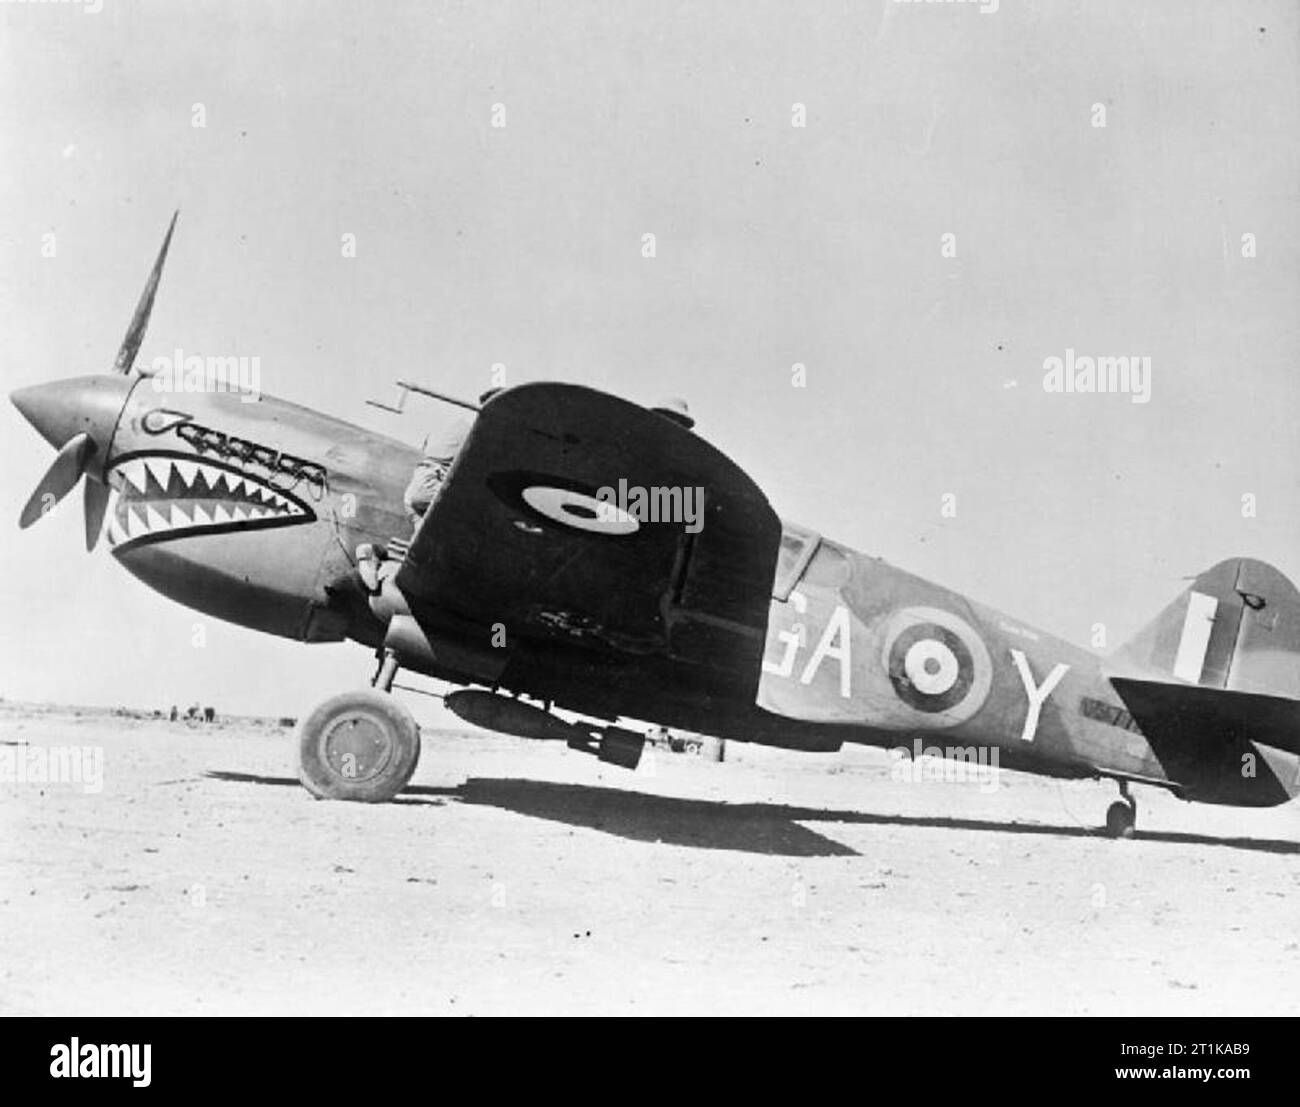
x: 1194, y: 715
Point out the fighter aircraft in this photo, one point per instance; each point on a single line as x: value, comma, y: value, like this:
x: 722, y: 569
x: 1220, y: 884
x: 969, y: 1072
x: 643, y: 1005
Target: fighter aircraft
x: 563, y: 612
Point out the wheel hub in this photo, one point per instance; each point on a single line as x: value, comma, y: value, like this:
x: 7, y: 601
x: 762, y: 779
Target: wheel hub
x: 356, y: 746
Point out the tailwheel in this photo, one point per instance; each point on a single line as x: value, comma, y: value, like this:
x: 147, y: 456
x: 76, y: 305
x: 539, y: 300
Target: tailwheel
x: 361, y: 746
x: 1121, y: 816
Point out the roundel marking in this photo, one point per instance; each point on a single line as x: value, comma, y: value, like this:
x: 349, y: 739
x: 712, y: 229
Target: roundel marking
x: 580, y: 511
x: 931, y: 666
x: 938, y: 665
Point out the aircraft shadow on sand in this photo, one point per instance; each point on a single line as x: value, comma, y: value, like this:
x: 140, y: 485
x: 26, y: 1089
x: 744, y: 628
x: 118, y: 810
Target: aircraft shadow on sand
x: 768, y: 828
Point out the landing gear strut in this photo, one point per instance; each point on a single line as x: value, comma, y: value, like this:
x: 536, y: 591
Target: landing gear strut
x: 360, y: 746
x: 387, y: 671
x: 1122, y: 814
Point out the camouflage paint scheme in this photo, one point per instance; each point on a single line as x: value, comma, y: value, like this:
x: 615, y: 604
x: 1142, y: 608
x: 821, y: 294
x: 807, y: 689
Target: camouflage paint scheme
x: 749, y: 629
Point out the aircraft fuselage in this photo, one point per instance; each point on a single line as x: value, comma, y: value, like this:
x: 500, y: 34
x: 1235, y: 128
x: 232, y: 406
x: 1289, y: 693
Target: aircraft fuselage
x: 251, y: 512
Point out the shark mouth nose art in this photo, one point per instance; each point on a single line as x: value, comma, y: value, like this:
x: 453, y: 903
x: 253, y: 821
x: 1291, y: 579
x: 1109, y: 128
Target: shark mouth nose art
x: 156, y: 496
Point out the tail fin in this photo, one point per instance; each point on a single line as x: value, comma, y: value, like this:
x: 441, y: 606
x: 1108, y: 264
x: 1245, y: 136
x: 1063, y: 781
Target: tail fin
x: 1237, y: 627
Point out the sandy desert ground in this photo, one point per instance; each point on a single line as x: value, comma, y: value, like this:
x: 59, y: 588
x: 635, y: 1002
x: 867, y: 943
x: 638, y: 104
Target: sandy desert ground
x: 520, y: 877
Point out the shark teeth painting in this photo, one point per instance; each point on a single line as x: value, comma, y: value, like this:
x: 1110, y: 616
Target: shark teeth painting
x: 156, y: 496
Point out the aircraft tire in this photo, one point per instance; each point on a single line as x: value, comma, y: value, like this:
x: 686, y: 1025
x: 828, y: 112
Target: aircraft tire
x: 361, y: 746
x: 1120, y: 817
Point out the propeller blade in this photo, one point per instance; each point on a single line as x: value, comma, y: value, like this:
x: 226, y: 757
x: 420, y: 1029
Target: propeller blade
x: 59, y: 479
x: 125, y: 359
x: 96, y: 502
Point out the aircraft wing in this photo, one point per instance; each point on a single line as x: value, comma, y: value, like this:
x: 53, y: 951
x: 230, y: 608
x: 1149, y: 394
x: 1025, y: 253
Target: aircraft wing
x: 516, y: 538
x: 1188, y: 715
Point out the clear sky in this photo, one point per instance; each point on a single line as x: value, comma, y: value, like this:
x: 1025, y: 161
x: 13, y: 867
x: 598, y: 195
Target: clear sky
x: 775, y: 244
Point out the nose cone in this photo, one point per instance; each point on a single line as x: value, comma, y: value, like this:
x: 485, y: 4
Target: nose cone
x: 60, y: 409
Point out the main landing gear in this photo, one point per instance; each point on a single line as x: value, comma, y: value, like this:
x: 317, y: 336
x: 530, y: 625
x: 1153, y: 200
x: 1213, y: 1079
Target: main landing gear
x: 360, y: 746
x: 1122, y: 814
